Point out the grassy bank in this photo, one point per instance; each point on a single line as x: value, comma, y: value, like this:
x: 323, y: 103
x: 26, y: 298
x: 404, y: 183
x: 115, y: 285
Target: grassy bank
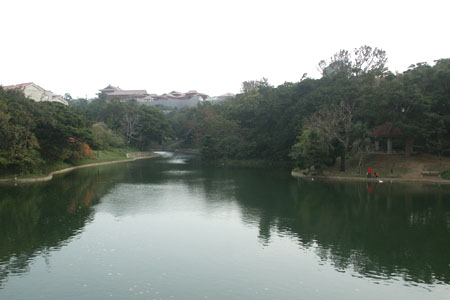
x: 394, y: 166
x: 101, y: 156
x: 107, y: 155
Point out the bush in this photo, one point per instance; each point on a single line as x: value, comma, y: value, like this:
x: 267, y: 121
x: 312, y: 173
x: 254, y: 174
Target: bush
x: 446, y: 174
x: 104, y: 138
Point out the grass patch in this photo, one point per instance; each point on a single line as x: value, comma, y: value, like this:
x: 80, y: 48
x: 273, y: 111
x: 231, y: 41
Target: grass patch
x: 385, y: 165
x: 106, y: 155
x: 436, y: 168
x: 446, y: 174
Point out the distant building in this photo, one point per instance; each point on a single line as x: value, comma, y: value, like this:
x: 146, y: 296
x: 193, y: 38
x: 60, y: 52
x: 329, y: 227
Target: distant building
x: 174, y: 95
x: 37, y: 93
x: 223, y: 97
x: 174, y: 99
x: 116, y: 92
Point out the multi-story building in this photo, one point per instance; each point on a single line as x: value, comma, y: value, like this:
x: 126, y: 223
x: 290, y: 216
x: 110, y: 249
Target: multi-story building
x: 116, y: 92
x: 37, y: 93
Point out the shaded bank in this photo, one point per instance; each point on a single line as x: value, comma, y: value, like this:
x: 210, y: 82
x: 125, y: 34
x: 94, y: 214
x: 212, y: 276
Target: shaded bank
x: 431, y: 180
x: 130, y: 157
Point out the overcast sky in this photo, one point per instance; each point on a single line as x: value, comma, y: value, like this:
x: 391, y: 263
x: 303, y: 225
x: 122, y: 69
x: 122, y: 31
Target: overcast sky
x: 78, y: 47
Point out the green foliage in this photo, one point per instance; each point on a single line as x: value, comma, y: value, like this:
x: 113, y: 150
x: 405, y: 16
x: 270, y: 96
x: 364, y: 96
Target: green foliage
x: 311, y: 151
x: 138, y: 125
x: 263, y: 122
x: 446, y: 174
x: 19, y: 148
x: 333, y: 116
x: 105, y: 138
x: 61, y: 132
x: 35, y: 135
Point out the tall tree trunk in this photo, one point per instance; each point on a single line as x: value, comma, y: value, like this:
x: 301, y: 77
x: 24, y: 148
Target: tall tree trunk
x: 346, y: 146
x: 409, y: 146
x: 342, y: 168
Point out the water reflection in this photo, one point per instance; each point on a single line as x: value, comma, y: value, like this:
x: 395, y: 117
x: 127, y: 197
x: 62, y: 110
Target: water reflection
x: 379, y: 231
x: 38, y: 218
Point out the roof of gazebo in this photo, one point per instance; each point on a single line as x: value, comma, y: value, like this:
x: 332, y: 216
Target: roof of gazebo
x: 386, y: 130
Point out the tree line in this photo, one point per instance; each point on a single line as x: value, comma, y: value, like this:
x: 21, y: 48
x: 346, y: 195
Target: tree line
x: 35, y: 135
x: 315, y: 121
x: 310, y: 123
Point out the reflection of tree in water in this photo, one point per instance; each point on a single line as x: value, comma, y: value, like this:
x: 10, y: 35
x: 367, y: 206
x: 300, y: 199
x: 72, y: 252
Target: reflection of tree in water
x: 395, y: 230
x: 37, y: 218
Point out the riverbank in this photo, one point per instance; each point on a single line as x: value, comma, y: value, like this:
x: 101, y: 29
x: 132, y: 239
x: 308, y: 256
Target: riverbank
x: 436, y: 180
x: 129, y: 157
x: 422, y: 168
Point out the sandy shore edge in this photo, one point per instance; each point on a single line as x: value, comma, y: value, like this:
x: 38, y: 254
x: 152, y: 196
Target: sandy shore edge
x: 346, y: 178
x: 50, y: 175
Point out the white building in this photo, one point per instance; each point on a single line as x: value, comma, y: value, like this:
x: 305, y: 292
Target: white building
x: 35, y: 92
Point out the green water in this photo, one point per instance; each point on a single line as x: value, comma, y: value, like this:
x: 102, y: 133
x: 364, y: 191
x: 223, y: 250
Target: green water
x: 173, y: 229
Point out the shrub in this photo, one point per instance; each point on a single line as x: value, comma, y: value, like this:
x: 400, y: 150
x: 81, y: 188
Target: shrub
x: 446, y: 174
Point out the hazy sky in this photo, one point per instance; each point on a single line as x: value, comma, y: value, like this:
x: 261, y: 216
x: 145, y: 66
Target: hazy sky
x: 78, y: 47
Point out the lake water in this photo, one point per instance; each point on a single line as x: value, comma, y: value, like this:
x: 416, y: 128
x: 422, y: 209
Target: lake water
x: 171, y: 228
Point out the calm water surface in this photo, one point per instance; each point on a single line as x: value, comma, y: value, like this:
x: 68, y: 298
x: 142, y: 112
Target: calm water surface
x: 172, y: 229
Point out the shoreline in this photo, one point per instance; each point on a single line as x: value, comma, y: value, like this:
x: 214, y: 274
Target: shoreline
x: 50, y: 175
x: 348, y: 178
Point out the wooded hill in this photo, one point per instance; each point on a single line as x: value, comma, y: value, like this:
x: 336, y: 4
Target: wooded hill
x: 310, y: 123
x: 314, y: 121
x: 36, y: 135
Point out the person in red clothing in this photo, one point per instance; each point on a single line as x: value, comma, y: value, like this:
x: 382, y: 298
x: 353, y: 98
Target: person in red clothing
x: 369, y: 172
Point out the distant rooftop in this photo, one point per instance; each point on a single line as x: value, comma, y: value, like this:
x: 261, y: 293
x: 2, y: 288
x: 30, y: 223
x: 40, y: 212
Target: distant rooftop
x: 128, y: 92
x: 19, y: 86
x: 386, y: 130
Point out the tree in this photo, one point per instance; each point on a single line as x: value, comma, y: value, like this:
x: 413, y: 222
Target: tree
x: 105, y: 138
x: 153, y: 126
x: 61, y: 132
x: 254, y: 85
x: 130, y: 123
x: 67, y: 97
x: 365, y: 59
x: 335, y: 124
x: 312, y: 150
x: 19, y: 148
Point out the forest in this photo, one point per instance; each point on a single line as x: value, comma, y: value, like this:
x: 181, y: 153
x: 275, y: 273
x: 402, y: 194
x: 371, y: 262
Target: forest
x: 36, y: 135
x: 310, y: 123
x: 315, y: 121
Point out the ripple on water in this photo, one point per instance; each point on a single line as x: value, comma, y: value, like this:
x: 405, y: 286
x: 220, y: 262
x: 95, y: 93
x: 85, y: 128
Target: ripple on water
x: 178, y: 172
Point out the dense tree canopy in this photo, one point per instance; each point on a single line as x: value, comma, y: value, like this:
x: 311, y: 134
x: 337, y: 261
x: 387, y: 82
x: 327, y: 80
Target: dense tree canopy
x: 311, y: 122
x: 334, y: 114
x: 35, y: 134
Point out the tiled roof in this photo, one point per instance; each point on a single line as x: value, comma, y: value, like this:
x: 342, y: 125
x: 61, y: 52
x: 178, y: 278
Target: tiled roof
x: 110, y: 87
x: 128, y: 92
x: 386, y: 130
x: 227, y: 95
x: 17, y: 86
